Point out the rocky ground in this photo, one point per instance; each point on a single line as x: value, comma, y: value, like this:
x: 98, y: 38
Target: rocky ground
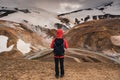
x: 43, y: 69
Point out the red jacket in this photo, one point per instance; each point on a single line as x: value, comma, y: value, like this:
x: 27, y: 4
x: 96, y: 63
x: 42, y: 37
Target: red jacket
x: 59, y: 35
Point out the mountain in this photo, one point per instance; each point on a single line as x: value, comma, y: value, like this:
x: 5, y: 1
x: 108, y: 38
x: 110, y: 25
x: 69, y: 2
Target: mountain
x: 26, y: 34
x: 23, y: 38
x: 39, y: 23
x: 103, y: 11
x: 34, y: 16
x: 98, y: 35
x: 41, y: 17
x: 26, y: 31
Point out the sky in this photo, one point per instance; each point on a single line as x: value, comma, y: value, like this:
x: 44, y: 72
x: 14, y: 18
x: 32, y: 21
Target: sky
x: 58, y: 6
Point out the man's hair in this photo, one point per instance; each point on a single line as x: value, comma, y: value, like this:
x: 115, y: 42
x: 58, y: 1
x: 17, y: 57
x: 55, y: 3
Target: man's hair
x: 58, y: 25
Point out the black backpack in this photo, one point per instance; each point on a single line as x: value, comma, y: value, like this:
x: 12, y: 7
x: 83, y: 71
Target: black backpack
x: 59, y: 47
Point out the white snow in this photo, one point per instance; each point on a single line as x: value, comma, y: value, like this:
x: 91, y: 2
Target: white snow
x: 23, y: 47
x: 42, y: 18
x: 115, y: 40
x: 3, y: 44
x: 45, y: 18
x: 82, y: 14
x: 114, y: 9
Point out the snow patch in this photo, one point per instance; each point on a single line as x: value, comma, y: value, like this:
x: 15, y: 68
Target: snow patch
x: 23, y: 47
x: 115, y: 40
x: 41, y: 18
x: 3, y: 44
x: 114, y: 9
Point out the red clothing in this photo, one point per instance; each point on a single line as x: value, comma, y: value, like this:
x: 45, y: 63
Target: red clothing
x: 59, y: 35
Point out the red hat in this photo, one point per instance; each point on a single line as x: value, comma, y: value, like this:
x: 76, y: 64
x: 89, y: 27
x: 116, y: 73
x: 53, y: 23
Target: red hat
x: 59, y: 33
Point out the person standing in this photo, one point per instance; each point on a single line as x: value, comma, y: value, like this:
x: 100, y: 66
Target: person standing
x: 58, y: 44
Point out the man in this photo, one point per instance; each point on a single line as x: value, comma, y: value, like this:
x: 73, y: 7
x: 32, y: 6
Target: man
x: 59, y: 44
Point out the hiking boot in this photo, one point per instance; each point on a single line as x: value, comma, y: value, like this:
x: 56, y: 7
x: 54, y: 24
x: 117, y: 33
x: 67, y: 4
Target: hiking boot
x: 62, y: 75
x: 57, y: 76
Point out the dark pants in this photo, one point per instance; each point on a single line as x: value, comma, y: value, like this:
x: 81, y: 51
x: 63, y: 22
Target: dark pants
x: 57, y: 61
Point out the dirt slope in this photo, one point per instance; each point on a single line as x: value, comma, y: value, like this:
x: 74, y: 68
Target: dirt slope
x: 15, y: 31
x: 95, y: 35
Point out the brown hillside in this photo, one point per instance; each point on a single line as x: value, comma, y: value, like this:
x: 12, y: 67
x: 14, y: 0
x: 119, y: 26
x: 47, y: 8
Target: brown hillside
x: 16, y: 32
x: 95, y: 35
x: 79, y: 64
